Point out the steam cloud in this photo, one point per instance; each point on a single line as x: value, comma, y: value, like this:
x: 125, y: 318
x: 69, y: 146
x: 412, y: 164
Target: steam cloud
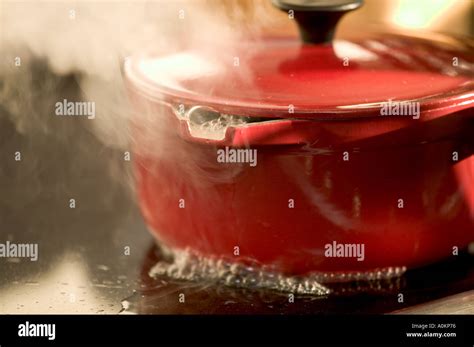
x: 75, y: 50
x: 89, y: 40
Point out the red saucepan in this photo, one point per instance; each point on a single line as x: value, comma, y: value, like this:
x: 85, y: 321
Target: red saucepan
x: 316, y: 156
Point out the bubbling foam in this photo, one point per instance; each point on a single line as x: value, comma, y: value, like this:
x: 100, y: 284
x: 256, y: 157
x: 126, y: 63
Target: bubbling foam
x: 187, y: 265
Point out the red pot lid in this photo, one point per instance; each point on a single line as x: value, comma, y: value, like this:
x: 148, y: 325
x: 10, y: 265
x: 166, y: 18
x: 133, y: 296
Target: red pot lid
x: 283, y: 77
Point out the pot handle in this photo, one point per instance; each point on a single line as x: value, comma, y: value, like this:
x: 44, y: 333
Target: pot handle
x: 317, y: 19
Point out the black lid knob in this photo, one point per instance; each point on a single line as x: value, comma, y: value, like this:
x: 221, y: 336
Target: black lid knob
x: 317, y: 19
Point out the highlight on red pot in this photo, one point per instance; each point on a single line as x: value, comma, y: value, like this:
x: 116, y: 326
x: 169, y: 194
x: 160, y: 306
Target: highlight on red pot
x: 288, y: 147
